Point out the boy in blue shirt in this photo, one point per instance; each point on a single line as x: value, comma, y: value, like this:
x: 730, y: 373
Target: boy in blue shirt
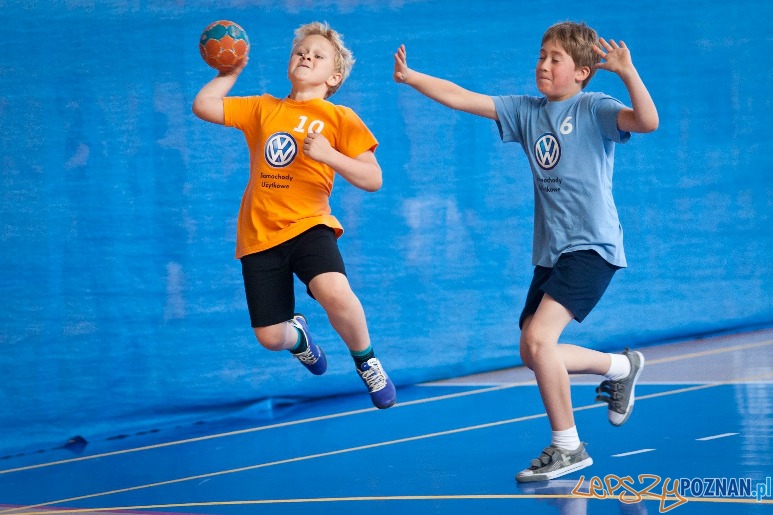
x: 569, y: 138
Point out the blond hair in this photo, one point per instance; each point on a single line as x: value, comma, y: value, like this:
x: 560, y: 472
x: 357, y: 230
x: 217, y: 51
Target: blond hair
x: 578, y: 40
x: 344, y: 59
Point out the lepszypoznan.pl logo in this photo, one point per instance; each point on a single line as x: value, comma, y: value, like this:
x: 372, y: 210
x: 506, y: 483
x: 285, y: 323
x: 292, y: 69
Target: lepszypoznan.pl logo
x: 672, y: 493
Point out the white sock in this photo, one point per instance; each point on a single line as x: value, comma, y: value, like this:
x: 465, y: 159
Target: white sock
x: 620, y: 367
x: 568, y: 439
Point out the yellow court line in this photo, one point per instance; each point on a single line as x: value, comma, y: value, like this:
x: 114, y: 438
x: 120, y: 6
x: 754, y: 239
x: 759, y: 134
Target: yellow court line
x: 648, y: 496
x: 349, y: 413
x: 366, y: 447
x: 709, y: 352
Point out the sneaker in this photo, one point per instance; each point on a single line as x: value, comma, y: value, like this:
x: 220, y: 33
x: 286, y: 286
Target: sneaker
x: 555, y: 462
x: 382, y: 390
x: 313, y: 357
x: 620, y: 394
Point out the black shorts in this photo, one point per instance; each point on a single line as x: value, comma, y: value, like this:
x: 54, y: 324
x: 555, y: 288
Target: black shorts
x: 577, y: 281
x: 268, y: 275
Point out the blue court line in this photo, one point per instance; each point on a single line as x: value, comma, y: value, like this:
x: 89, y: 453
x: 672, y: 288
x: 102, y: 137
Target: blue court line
x: 378, y: 444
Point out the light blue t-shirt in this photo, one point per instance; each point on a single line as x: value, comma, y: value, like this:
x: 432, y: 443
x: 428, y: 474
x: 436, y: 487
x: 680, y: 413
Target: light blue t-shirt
x: 571, y: 148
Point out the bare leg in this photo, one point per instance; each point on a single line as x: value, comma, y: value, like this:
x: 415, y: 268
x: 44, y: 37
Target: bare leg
x: 539, y: 351
x: 579, y: 360
x: 343, y: 308
x: 276, y: 337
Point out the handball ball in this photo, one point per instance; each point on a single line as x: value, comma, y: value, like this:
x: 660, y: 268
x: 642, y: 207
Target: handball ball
x: 223, y: 45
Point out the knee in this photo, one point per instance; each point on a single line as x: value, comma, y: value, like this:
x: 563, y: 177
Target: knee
x: 333, y: 294
x: 526, y: 356
x: 272, y: 337
x: 530, y: 346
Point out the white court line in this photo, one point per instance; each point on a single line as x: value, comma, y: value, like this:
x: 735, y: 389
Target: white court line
x: 583, y: 382
x: 486, y: 388
x: 723, y: 435
x: 266, y: 428
x: 640, y: 451
x: 355, y: 449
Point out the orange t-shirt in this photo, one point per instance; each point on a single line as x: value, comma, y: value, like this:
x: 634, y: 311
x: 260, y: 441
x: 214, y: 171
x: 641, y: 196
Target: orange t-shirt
x: 288, y: 193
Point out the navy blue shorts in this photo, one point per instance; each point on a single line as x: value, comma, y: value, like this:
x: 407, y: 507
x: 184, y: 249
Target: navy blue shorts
x: 268, y: 275
x: 577, y: 281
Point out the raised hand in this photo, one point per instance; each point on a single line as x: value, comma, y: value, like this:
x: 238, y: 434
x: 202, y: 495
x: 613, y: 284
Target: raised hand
x: 401, y: 65
x: 617, y: 58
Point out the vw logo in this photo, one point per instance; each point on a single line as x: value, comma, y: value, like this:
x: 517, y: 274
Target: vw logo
x: 280, y: 150
x: 547, y: 151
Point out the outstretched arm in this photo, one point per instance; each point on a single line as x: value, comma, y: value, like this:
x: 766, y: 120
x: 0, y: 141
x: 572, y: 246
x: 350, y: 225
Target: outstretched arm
x: 643, y: 115
x: 208, y: 104
x: 443, y: 91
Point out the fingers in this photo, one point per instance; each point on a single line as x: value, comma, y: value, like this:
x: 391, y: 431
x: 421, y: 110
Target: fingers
x: 401, y: 64
x: 611, y: 45
x: 310, y: 137
x: 608, y: 46
x: 400, y: 57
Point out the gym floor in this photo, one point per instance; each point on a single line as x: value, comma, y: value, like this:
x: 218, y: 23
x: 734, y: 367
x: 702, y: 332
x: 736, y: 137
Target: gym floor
x: 703, y: 420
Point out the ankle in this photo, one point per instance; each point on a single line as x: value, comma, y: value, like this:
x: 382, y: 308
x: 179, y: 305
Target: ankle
x: 567, y: 439
x: 362, y: 356
x: 619, y: 367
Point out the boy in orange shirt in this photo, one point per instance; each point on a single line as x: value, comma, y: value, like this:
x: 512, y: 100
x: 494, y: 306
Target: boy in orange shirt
x: 285, y: 226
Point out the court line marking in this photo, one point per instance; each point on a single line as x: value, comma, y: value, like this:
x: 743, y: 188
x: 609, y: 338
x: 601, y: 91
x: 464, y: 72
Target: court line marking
x: 267, y: 427
x: 723, y: 435
x: 646, y: 496
x: 350, y: 413
x: 701, y: 354
x: 364, y: 447
x: 650, y: 361
x: 631, y: 453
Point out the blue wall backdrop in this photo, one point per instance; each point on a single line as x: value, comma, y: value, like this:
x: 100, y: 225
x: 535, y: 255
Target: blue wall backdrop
x: 121, y: 306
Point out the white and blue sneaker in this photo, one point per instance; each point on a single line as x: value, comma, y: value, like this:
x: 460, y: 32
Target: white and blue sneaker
x: 313, y: 357
x: 381, y: 389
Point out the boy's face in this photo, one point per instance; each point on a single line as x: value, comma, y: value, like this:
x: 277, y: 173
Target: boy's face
x: 312, y: 63
x: 557, y: 76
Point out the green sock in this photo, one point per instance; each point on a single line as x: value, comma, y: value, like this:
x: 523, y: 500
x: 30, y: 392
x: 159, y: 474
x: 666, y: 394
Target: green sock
x: 300, y: 345
x: 362, y: 356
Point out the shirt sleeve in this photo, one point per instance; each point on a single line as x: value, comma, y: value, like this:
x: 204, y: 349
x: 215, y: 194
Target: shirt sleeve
x: 239, y: 110
x: 606, y: 110
x: 355, y: 138
x: 507, y: 114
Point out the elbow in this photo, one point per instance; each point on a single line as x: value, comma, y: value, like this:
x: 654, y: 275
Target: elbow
x: 644, y: 126
x: 651, y: 122
x: 196, y: 108
x: 376, y: 180
x: 374, y: 185
x: 651, y: 125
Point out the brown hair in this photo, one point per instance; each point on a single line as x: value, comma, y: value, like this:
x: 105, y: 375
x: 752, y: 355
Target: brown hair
x: 578, y: 40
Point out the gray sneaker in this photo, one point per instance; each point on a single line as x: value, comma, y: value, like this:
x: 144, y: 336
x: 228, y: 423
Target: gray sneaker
x: 620, y: 394
x: 555, y: 462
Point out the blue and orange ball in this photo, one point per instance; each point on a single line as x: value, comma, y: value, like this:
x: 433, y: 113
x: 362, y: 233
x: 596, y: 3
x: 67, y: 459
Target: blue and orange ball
x: 223, y: 45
